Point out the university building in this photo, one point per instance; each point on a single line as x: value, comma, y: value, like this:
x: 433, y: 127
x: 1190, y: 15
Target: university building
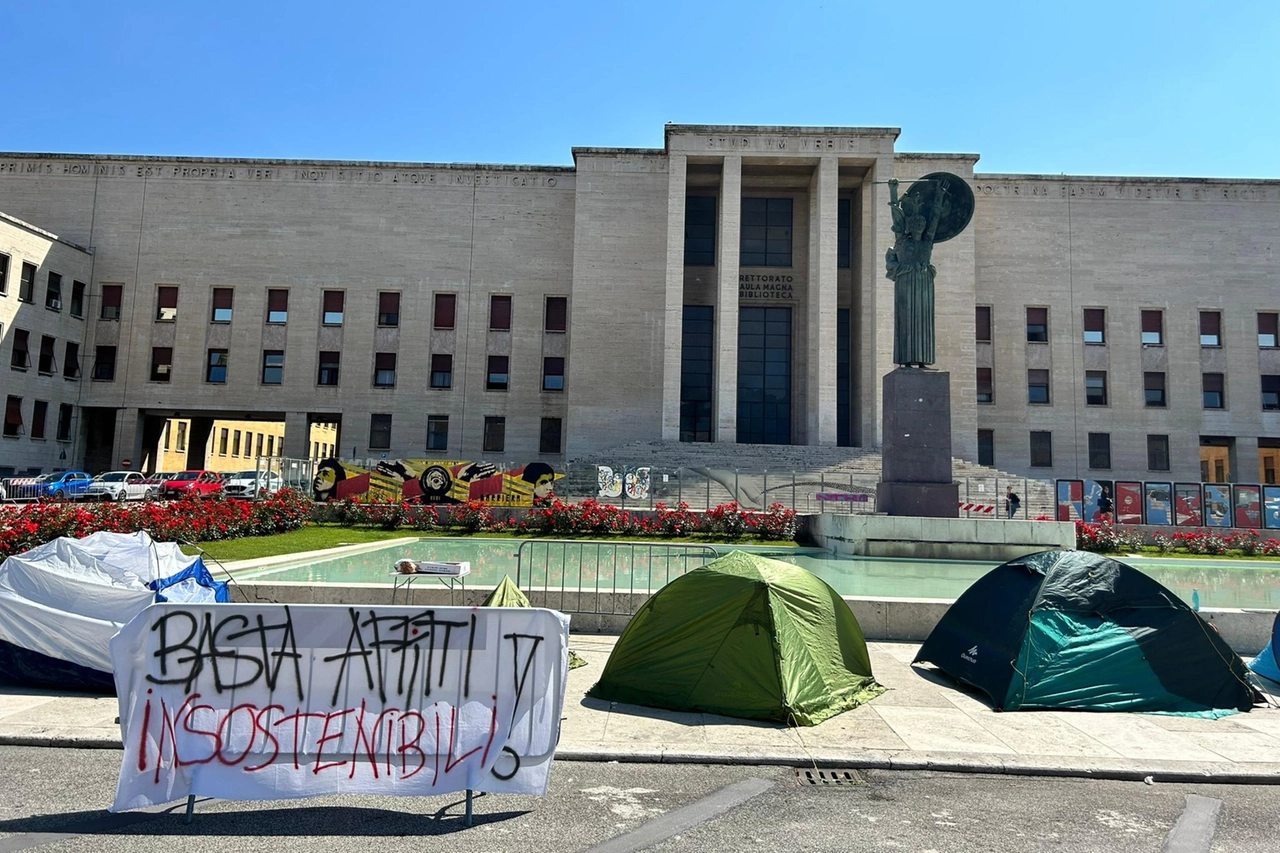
x: 728, y: 287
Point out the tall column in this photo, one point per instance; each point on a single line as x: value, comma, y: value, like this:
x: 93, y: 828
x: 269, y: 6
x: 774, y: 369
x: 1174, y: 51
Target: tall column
x: 875, y: 299
x: 673, y: 317
x: 823, y: 234
x: 728, y: 249
x: 296, y: 443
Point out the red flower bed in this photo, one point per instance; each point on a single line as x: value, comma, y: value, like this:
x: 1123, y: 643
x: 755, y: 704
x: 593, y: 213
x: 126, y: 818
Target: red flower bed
x: 27, y: 525
x: 1107, y: 538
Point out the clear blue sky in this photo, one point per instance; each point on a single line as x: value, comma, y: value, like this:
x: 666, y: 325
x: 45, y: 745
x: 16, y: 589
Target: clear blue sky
x: 1086, y: 88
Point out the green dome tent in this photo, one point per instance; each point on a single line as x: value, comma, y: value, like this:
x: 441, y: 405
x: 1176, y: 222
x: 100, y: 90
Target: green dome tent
x: 507, y: 594
x: 1075, y: 630
x: 743, y: 636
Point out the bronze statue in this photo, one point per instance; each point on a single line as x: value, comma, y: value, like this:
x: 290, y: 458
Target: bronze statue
x: 929, y: 213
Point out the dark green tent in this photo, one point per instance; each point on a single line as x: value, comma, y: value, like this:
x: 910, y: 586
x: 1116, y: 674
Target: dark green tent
x: 743, y: 636
x: 1075, y: 630
x: 506, y: 594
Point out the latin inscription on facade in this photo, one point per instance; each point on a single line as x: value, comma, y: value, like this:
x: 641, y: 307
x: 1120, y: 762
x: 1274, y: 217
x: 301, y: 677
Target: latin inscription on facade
x: 766, y: 286
x: 1125, y: 190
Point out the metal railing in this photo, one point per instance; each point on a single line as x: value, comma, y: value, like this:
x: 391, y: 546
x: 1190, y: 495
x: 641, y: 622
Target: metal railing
x: 612, y: 578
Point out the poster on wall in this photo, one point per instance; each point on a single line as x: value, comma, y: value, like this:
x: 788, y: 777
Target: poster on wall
x: 614, y: 482
x: 271, y: 701
x: 1187, y: 499
x: 1128, y: 503
x: 1158, y: 498
x: 1271, y: 507
x: 1070, y: 500
x: 1099, y: 501
x: 1248, y: 506
x: 432, y: 481
x: 1217, y: 505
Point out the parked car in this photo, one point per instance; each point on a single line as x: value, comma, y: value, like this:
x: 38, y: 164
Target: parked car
x: 192, y: 484
x: 119, y: 486
x: 248, y: 484
x: 155, y: 483
x: 61, y: 485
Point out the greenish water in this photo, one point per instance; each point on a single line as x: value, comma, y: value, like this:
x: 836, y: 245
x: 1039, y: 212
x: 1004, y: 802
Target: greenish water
x: 648, y: 566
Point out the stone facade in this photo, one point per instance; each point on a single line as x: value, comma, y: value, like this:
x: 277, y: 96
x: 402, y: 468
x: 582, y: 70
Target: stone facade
x: 606, y: 240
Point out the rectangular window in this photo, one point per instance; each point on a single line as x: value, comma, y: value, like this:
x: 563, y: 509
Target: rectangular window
x: 1152, y: 328
x: 1095, y: 387
x: 549, y: 436
x: 65, y: 413
x: 384, y: 370
x: 985, y: 394
x: 1095, y: 325
x: 235, y: 443
x: 161, y: 363
x: 261, y: 436
x: 1100, y: 450
x: 499, y: 312
x: 1041, y: 449
x: 1267, y: 329
x: 112, y: 294
x: 1270, y: 393
x: 1037, y: 386
x: 4, y: 274
x: 987, y: 447
x: 271, y: 445
x: 557, y: 319
x: 766, y: 232
x: 1210, y: 328
x: 982, y: 323
x: 441, y: 371
x: 332, y: 303
x: 53, y: 294
x: 47, y: 364
x: 1038, y: 325
x: 495, y: 435
x: 13, y: 416
x: 329, y: 365
x: 553, y: 374
x: 1153, y: 390
x: 277, y: 306
x: 104, y: 364
x: 272, y: 367
x: 497, y: 378
x: 222, y: 299
x: 445, y: 313
x: 27, y: 283
x: 388, y: 308
x: 222, y: 442
x: 437, y: 432
x: 21, y: 358
x: 700, y: 231
x: 1158, y: 452
x: 77, y: 298
x: 696, y: 373
x: 1214, y: 391
x: 215, y: 371
x: 380, y: 432
x: 71, y: 361
x: 39, y: 414
x: 182, y: 436
x: 166, y: 303
x: 844, y: 231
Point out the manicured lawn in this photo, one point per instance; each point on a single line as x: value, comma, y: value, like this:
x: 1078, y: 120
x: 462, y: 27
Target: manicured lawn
x: 316, y: 537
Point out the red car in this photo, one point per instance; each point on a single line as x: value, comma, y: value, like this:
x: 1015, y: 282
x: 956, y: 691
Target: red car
x: 192, y: 484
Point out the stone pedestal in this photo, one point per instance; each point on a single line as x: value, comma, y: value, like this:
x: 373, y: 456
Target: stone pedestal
x: 916, y: 474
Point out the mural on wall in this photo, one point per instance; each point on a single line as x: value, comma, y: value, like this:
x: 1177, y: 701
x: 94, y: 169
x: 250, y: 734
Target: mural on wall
x: 1271, y: 504
x: 1099, y: 503
x: 1128, y: 503
x: 1187, y: 496
x: 434, y: 481
x: 1159, y: 501
x: 1248, y: 503
x: 1217, y: 505
x: 1070, y: 500
x: 612, y: 482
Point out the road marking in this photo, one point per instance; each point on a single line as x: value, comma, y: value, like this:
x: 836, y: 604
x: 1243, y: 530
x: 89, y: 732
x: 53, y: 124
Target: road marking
x: 1193, y: 833
x: 680, y: 820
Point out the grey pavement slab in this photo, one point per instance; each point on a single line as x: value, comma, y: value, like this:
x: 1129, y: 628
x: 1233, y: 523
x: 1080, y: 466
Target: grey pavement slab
x: 923, y: 720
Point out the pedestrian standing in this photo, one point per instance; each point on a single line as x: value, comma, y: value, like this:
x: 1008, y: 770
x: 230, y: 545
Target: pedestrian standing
x: 1012, y: 502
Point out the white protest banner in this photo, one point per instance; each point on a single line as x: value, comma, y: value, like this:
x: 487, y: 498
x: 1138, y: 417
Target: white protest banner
x: 266, y: 701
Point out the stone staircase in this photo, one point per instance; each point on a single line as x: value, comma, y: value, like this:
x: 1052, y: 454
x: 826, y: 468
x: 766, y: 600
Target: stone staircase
x: 756, y: 475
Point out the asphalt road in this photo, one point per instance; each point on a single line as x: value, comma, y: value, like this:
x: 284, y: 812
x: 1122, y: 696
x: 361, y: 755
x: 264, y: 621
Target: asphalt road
x: 54, y: 800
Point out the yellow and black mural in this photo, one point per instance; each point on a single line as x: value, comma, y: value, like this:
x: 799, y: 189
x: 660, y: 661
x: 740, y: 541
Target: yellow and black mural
x: 433, y: 481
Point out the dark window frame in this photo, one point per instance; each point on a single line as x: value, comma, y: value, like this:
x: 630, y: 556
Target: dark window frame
x: 48, y: 363
x: 495, y: 434
x: 161, y: 364
x: 20, y: 350
x: 501, y: 310
x: 1268, y: 330
x: 700, y: 225
x: 13, y: 423
x: 1094, y: 323
x: 987, y: 447
x: 1037, y: 324
x: 1214, y: 384
x: 112, y: 300
x: 551, y: 435
x: 78, y: 290
x: 555, y: 320
x: 1152, y: 327
x: 211, y: 369
x: 4, y: 274
x: 549, y: 378
x: 1034, y: 386
x: 389, y: 308
x: 1041, y: 454
x: 272, y: 370
x: 71, y: 360
x: 27, y: 282
x: 277, y: 306
x: 444, y: 304
x: 441, y: 379
x: 1155, y: 391
x: 1270, y: 384
x: 66, y: 414
x: 166, y: 303
x: 1099, y: 455
x: 1095, y: 388
x: 986, y: 386
x: 1157, y: 452
x: 437, y: 432
x: 329, y: 368
x: 982, y: 324
x: 380, y: 424
x: 39, y: 418
x: 497, y: 374
x: 1211, y: 329
x: 103, y: 366
x: 53, y: 291
x: 762, y: 231
x: 384, y: 370
x: 333, y: 307
x: 222, y: 304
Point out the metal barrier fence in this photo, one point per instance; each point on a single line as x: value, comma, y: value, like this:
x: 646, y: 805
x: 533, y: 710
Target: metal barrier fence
x: 602, y: 577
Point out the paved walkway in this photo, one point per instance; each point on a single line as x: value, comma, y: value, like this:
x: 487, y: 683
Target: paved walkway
x: 922, y: 722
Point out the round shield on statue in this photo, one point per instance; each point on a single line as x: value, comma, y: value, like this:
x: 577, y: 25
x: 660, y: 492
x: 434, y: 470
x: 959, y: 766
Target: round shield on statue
x: 959, y: 202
